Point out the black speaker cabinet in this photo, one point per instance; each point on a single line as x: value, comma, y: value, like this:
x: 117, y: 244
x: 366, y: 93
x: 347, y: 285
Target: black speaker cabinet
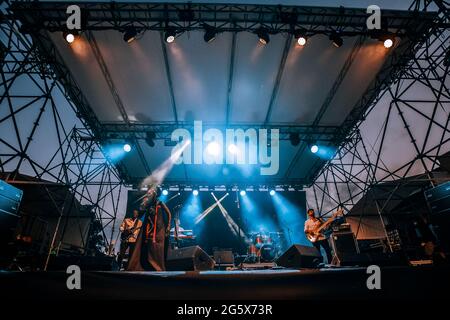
x: 343, y: 243
x: 189, y: 259
x: 298, y: 256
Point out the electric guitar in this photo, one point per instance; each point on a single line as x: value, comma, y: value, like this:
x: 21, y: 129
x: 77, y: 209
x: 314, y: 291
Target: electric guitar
x: 315, y: 234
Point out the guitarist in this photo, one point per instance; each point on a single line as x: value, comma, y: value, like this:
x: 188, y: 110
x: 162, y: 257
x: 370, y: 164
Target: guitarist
x: 318, y: 240
x: 129, y: 230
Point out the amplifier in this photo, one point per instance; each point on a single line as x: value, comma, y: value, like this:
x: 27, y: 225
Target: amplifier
x: 343, y: 244
x: 439, y: 198
x: 10, y: 192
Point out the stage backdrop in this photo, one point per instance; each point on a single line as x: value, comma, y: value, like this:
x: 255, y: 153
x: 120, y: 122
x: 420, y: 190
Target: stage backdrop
x: 256, y: 211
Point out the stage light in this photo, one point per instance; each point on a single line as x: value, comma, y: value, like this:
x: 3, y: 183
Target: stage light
x: 336, y: 39
x: 388, y: 43
x: 232, y: 149
x: 213, y: 148
x: 127, y: 147
x: 210, y: 34
x: 150, y: 138
x: 195, y: 192
x: 243, y: 193
x: 263, y: 36
x: 301, y: 41
x: 294, y: 138
x: 165, y: 192
x: 301, y: 37
x: 272, y: 192
x: 130, y: 34
x: 70, y: 36
x: 170, y: 35
x: 314, y: 148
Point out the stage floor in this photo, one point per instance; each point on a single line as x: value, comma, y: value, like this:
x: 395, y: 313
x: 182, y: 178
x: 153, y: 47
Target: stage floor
x: 336, y: 283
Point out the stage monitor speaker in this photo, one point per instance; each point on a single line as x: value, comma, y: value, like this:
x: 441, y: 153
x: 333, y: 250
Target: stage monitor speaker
x: 189, y: 259
x: 298, y: 256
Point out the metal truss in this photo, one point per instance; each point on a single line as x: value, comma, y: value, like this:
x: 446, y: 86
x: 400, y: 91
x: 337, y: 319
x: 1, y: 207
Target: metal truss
x: 42, y: 139
x: 163, y: 130
x: 412, y: 116
x: 224, y: 17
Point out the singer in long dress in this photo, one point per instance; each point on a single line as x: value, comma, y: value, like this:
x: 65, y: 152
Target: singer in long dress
x: 150, y: 252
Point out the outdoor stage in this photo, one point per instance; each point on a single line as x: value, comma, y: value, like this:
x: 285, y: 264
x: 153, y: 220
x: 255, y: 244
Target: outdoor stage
x: 308, y: 284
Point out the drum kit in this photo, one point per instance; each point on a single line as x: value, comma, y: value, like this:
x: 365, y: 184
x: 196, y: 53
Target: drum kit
x: 263, y: 246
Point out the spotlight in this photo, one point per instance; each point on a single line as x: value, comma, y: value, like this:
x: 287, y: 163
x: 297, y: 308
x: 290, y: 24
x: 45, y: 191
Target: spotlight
x: 213, y: 148
x: 243, y: 193
x: 127, y: 147
x: 150, y: 138
x: 165, y: 192
x: 301, y: 37
x: 388, y: 43
x: 294, y: 138
x: 70, y: 36
x: 272, y: 192
x: 195, y: 192
x: 170, y: 35
x: 210, y: 34
x: 232, y: 149
x: 130, y: 34
x: 336, y: 39
x: 263, y: 36
x: 301, y: 41
x: 314, y: 148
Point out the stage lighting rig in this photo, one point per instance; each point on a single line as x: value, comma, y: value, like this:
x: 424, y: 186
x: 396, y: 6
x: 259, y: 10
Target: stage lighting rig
x: 210, y: 33
x: 170, y: 35
x: 294, y: 138
x: 301, y: 37
x: 263, y: 36
x: 336, y: 39
x: 127, y: 147
x: 314, y: 148
x: 129, y: 34
x: 150, y: 138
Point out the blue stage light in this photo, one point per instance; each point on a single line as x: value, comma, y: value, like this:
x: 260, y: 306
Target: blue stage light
x: 314, y: 148
x: 213, y: 148
x: 195, y: 192
x: 127, y: 147
x: 272, y: 192
x: 243, y: 193
x: 233, y: 149
x: 165, y: 192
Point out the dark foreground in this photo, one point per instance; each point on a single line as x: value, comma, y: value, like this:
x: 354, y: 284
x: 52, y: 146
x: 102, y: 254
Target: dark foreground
x: 343, y: 283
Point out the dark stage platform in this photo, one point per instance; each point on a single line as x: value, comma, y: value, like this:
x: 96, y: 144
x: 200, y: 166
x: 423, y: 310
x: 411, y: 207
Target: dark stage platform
x: 324, y: 284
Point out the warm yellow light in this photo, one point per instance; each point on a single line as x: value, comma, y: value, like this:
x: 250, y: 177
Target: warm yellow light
x: 170, y: 39
x: 70, y: 38
x: 388, y: 43
x: 301, y: 41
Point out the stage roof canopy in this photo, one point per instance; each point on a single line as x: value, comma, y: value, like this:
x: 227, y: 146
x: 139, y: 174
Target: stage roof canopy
x: 125, y: 90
